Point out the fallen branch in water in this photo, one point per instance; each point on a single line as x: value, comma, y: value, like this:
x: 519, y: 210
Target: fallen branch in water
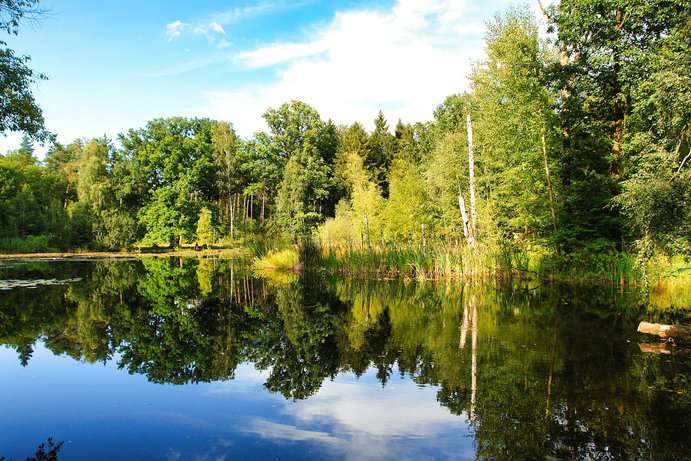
x: 665, y: 331
x: 663, y: 348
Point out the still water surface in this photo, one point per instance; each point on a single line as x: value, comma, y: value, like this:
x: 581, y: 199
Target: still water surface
x: 169, y: 359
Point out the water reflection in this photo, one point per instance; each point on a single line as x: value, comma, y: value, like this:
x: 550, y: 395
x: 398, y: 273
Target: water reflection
x: 354, y: 370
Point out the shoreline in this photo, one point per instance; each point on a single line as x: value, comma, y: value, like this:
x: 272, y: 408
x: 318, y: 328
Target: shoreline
x: 123, y: 254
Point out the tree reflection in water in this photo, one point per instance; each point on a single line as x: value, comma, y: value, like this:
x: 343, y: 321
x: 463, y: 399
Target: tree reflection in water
x: 538, y: 370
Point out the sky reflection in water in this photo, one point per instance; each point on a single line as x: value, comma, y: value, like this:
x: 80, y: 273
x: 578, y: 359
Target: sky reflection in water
x: 347, y: 370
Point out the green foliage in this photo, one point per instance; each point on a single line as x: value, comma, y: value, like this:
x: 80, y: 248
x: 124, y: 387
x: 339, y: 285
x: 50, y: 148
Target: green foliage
x: 614, y: 56
x: 406, y: 210
x: 28, y: 244
x: 30, y: 198
x: 511, y: 111
x: 205, y: 228
x: 19, y: 109
x: 81, y: 218
x: 579, y: 143
x: 380, y: 151
x: 115, y: 230
x: 302, y: 191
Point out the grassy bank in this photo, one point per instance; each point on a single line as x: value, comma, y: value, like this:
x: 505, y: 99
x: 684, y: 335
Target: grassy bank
x: 465, y: 263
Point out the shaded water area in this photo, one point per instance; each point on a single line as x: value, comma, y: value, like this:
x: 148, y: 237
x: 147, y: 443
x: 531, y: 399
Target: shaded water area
x: 195, y: 359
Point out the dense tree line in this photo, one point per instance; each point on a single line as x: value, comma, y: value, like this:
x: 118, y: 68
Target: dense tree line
x: 579, y: 140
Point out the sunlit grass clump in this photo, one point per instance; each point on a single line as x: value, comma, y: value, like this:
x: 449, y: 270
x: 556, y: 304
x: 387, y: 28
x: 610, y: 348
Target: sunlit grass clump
x: 278, y: 260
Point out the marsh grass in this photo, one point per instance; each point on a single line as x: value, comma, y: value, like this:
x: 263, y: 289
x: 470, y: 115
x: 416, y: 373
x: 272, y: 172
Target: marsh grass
x: 437, y: 262
x: 287, y: 259
x: 410, y: 262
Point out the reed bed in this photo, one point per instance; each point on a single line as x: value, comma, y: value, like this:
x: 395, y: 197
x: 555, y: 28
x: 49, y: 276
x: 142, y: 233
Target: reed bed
x: 437, y: 262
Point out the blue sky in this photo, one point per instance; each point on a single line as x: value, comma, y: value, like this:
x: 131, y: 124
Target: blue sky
x: 115, y: 65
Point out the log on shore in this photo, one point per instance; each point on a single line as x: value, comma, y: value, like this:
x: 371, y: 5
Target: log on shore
x: 665, y: 331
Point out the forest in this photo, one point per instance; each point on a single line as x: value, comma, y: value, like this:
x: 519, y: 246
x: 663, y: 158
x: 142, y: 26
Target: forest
x: 570, y: 142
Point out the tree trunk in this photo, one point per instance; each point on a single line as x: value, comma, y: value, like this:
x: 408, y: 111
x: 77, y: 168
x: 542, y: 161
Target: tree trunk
x: 263, y: 207
x: 464, y: 216
x: 471, y: 175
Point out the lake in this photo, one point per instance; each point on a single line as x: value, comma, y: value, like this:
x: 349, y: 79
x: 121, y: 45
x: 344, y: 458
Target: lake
x: 176, y: 359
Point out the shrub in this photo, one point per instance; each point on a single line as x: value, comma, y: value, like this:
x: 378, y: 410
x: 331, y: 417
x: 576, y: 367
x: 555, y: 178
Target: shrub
x: 28, y: 244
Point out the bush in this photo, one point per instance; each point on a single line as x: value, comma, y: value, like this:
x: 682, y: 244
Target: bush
x: 28, y: 244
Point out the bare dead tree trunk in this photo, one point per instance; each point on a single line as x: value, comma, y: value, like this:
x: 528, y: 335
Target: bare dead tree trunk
x: 263, y: 207
x: 251, y: 206
x: 471, y: 175
x: 464, y: 217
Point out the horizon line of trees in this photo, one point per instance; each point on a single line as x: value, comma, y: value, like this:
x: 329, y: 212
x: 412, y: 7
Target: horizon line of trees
x: 580, y: 141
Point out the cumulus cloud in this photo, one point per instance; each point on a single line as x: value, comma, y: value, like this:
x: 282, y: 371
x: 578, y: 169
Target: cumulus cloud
x: 404, y: 61
x: 356, y: 420
x: 409, y: 411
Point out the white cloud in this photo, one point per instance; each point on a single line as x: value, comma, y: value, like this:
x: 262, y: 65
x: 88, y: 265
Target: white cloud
x: 357, y: 420
x: 279, y: 53
x: 216, y: 27
x: 216, y: 22
x: 262, y: 7
x: 174, y: 29
x: 209, y: 30
x: 407, y: 411
x: 404, y: 61
x: 276, y: 431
